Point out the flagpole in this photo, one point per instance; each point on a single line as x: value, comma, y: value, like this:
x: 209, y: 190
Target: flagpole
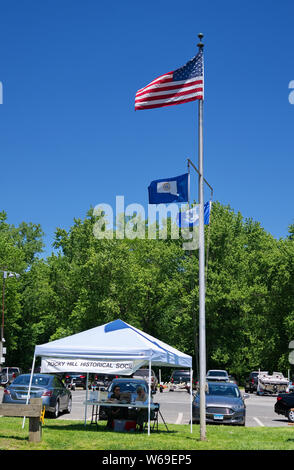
x: 205, y: 181
x: 202, y: 340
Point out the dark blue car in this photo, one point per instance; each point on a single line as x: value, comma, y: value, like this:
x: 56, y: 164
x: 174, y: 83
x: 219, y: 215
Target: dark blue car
x: 55, y: 396
x: 224, y: 404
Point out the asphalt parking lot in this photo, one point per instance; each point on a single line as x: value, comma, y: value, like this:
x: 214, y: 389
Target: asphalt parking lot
x: 175, y: 408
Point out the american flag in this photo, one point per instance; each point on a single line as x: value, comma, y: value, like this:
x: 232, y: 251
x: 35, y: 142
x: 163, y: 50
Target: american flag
x: 180, y: 86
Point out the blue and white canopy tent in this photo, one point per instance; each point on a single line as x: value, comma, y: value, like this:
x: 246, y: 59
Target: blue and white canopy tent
x: 116, y: 348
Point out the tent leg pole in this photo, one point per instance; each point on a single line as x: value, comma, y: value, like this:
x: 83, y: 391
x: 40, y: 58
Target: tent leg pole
x: 149, y: 397
x: 191, y: 397
x: 86, y: 406
x: 29, y: 391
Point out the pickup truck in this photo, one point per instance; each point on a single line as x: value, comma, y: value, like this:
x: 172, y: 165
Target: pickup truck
x: 251, y: 382
x: 217, y: 375
x: 8, y: 375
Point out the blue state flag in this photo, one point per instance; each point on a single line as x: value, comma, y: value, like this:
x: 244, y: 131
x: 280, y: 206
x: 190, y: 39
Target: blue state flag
x: 165, y: 191
x: 207, y: 210
x: 190, y: 217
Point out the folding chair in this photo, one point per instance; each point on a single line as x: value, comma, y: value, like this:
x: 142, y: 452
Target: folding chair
x: 155, y: 413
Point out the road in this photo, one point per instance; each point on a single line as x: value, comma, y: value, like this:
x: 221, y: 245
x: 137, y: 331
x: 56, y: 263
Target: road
x: 175, y: 408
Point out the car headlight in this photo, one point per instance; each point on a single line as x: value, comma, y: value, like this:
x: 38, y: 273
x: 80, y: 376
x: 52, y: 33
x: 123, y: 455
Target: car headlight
x: 238, y: 407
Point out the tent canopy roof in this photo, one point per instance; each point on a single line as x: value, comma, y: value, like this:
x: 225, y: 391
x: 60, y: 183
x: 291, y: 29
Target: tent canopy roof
x: 115, y: 340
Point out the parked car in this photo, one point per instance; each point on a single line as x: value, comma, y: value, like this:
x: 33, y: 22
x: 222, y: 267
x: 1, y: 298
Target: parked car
x: 180, y: 379
x: 251, y: 382
x: 55, y: 396
x: 224, y: 404
x: 284, y: 405
x: 217, y: 375
x: 76, y: 379
x: 130, y: 385
x: 8, y: 375
x: 144, y: 374
x: 103, y: 380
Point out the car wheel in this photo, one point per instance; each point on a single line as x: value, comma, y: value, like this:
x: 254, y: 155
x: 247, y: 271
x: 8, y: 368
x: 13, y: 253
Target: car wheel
x: 57, y: 410
x: 290, y: 416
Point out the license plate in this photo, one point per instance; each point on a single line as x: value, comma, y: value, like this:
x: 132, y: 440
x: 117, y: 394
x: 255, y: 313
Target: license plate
x: 24, y: 396
x: 218, y: 417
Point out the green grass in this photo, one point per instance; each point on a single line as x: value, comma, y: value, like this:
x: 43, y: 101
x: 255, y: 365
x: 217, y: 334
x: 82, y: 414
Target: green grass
x: 72, y: 435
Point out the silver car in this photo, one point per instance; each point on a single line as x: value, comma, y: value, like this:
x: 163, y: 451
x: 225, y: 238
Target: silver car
x: 55, y: 396
x: 224, y: 404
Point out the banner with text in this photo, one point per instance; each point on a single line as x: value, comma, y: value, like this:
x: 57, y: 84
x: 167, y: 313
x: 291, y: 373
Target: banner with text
x: 54, y: 365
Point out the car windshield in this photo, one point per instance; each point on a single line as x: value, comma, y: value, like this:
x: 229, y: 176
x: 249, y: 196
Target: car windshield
x: 217, y: 373
x: 143, y: 372
x: 184, y: 376
x: 11, y: 370
x: 128, y: 386
x: 223, y: 390
x: 40, y: 380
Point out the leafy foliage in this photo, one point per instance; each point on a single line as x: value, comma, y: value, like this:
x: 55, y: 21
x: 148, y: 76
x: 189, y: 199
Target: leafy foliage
x: 153, y: 285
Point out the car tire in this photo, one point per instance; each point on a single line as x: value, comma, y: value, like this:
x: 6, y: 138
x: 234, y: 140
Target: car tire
x: 290, y: 416
x: 69, y: 406
x: 57, y: 410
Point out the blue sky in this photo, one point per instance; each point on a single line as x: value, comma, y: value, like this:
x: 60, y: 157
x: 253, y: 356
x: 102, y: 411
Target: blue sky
x: 69, y: 135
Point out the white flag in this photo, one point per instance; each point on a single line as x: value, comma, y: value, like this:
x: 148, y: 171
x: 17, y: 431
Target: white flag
x: 169, y: 187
